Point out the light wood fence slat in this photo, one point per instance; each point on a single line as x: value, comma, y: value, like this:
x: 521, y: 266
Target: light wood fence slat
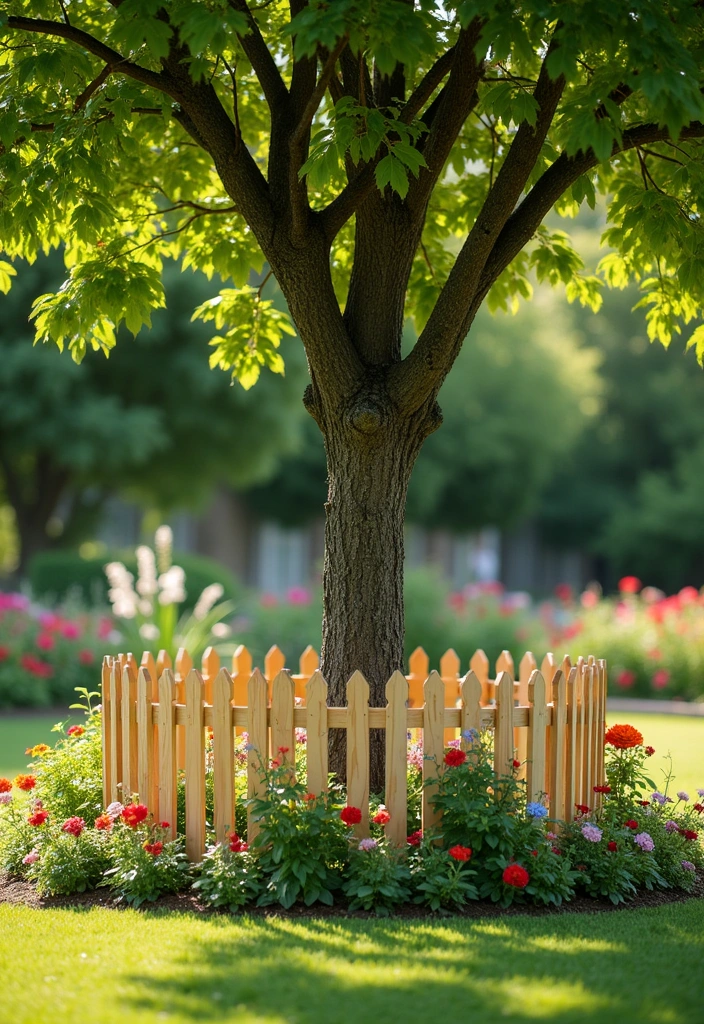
x: 195, y: 766
x: 223, y: 756
x: 548, y: 668
x: 571, y: 798
x: 433, y: 743
x: 358, y: 749
x: 168, y: 806
x: 317, y: 733
x: 450, y: 674
x: 129, y: 729
x: 274, y: 662
x: 241, y: 674
x: 504, y: 663
x: 148, y: 662
x: 603, y: 686
x: 145, y: 742
x: 209, y: 668
x: 526, y: 667
x: 588, y: 752
x: 257, y: 755
x: 182, y: 666
x: 418, y: 667
x: 537, y: 736
x: 479, y: 664
x: 503, y: 731
x: 115, y: 731
x: 283, y: 740
x: 579, y: 752
x: 106, y: 727
x: 163, y: 660
x: 396, y: 790
x: 471, y: 716
x: 558, y: 746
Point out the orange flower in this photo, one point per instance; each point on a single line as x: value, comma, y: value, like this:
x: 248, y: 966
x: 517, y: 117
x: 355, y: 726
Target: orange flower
x: 623, y: 737
x: 5, y: 786
x: 25, y: 782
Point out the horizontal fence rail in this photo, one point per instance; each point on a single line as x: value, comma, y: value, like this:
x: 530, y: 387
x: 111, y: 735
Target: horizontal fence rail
x: 155, y: 718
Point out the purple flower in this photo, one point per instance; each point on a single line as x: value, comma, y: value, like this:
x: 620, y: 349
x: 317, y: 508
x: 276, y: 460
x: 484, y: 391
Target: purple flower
x: 367, y: 844
x: 671, y: 826
x: 683, y: 796
x: 592, y: 833
x: 688, y: 866
x: 644, y: 841
x: 700, y: 792
x: 470, y: 735
x: 5, y: 798
x: 658, y: 798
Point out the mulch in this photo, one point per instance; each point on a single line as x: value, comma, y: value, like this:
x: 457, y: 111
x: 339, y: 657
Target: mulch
x: 17, y: 891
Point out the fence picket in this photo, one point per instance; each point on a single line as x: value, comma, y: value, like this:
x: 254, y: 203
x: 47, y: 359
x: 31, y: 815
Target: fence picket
x: 317, y: 733
x: 526, y: 667
x: 166, y: 720
x: 209, y: 668
x: 588, y: 748
x: 548, y: 668
x: 358, y: 748
x: 195, y: 765
x: 396, y: 793
x: 538, y: 720
x: 571, y: 747
x: 145, y: 742
x: 433, y: 742
x: 503, y: 730
x: 129, y: 729
x: 557, y: 746
x: 283, y: 740
x: 241, y: 674
x: 257, y: 755
x: 603, y: 684
x: 105, y: 726
x: 182, y: 666
x: 504, y: 663
x: 223, y: 756
x: 274, y: 662
x: 471, y: 711
x: 418, y: 666
x: 479, y: 664
x: 115, y: 731
x: 579, y: 747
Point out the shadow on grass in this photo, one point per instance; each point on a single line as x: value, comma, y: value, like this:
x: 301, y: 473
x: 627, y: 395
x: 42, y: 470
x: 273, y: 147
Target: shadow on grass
x: 637, y: 967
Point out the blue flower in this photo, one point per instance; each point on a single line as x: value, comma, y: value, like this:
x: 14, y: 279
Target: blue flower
x: 470, y: 735
x: 535, y: 810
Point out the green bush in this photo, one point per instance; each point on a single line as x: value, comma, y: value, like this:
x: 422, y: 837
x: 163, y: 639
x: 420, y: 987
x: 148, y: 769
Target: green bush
x: 55, y: 574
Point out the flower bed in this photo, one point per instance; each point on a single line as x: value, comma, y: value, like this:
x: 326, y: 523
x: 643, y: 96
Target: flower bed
x: 494, y: 844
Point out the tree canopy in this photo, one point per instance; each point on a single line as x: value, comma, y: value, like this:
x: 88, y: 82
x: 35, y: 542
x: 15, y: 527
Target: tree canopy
x: 175, y: 128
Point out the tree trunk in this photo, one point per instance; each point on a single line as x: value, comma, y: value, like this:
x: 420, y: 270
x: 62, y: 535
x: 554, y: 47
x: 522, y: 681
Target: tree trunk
x: 371, y: 450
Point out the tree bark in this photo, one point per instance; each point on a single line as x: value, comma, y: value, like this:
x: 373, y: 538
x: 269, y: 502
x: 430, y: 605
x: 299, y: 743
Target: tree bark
x: 371, y: 448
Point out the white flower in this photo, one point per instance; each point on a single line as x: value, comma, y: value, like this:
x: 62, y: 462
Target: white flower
x: 145, y: 607
x: 163, y: 542
x: 221, y: 630
x: 146, y: 569
x: 114, y: 810
x: 207, y: 599
x: 172, y: 584
x: 149, y: 631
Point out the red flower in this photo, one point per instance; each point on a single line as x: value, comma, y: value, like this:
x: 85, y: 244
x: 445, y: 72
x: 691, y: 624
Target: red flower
x: 75, y: 730
x: 460, y: 852
x: 282, y: 750
x: 415, y: 838
x: 164, y: 824
x: 602, y: 789
x: 382, y: 818
x: 74, y: 826
x: 154, y: 848
x: 237, y: 845
x: 4, y: 652
x: 5, y: 786
x: 563, y: 591
x: 555, y: 850
x: 455, y: 757
x: 310, y: 797
x: 689, y: 833
x: 351, y: 815
x: 25, y: 782
x: 37, y: 667
x: 698, y: 808
x: 134, y: 814
x: 623, y: 736
x: 45, y: 642
x: 516, y: 876
x: 644, y: 803
x: 86, y: 656
x: 38, y: 818
x: 629, y: 585
x: 626, y: 678
x: 515, y: 763
x: 661, y: 678
x: 649, y: 751
x: 631, y: 824
x: 612, y: 847
x: 103, y: 822
x: 71, y: 630
x: 582, y: 808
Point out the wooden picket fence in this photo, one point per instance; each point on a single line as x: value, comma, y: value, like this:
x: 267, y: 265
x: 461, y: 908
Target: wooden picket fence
x: 155, y: 718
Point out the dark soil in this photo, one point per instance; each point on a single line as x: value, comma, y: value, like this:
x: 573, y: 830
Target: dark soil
x: 18, y: 891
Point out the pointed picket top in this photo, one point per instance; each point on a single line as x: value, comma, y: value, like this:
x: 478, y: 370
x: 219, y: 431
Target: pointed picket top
x: 419, y: 663
x: 283, y: 742
x: 183, y: 663
x: 210, y: 663
x: 527, y: 665
x: 316, y: 687
x: 548, y: 667
x: 449, y: 664
x: 241, y: 662
x: 471, y: 712
x: 309, y: 662
x: 255, y: 682
x: 479, y: 664
x: 148, y: 662
x: 504, y: 663
x: 358, y: 684
x: 581, y: 664
x: 274, y: 662
x: 396, y: 688
x: 131, y: 666
x: 163, y: 661
x: 591, y: 660
x: 317, y: 733
x: 222, y: 687
x: 566, y: 666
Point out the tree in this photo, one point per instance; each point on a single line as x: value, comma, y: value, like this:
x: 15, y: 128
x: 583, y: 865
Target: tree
x: 341, y: 142
x: 154, y: 424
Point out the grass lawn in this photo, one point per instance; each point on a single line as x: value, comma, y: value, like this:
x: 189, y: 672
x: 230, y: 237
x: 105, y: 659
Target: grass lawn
x: 17, y: 732
x: 72, y: 966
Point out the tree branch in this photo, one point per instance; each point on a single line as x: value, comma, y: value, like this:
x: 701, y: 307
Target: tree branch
x: 106, y: 53
x: 261, y: 59
x: 427, y: 86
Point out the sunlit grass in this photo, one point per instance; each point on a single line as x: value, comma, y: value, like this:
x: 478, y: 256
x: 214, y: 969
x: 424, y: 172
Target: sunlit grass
x: 682, y: 737
x: 71, y: 966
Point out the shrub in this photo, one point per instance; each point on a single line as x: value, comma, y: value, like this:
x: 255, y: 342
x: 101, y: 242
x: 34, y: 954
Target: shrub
x: 441, y: 881
x: 68, y: 861
x: 377, y: 877
x: 229, y: 876
x: 144, y: 864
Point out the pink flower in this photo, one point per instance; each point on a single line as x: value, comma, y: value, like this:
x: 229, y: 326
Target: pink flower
x: 50, y: 621
x: 626, y: 678
x: 629, y: 585
x: 589, y: 599
x: 661, y: 678
x: 268, y: 601
x: 45, y: 642
x: 86, y: 656
x: 688, y: 595
x: 298, y: 595
x: 31, y: 858
x: 104, y: 628
x: 71, y: 630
